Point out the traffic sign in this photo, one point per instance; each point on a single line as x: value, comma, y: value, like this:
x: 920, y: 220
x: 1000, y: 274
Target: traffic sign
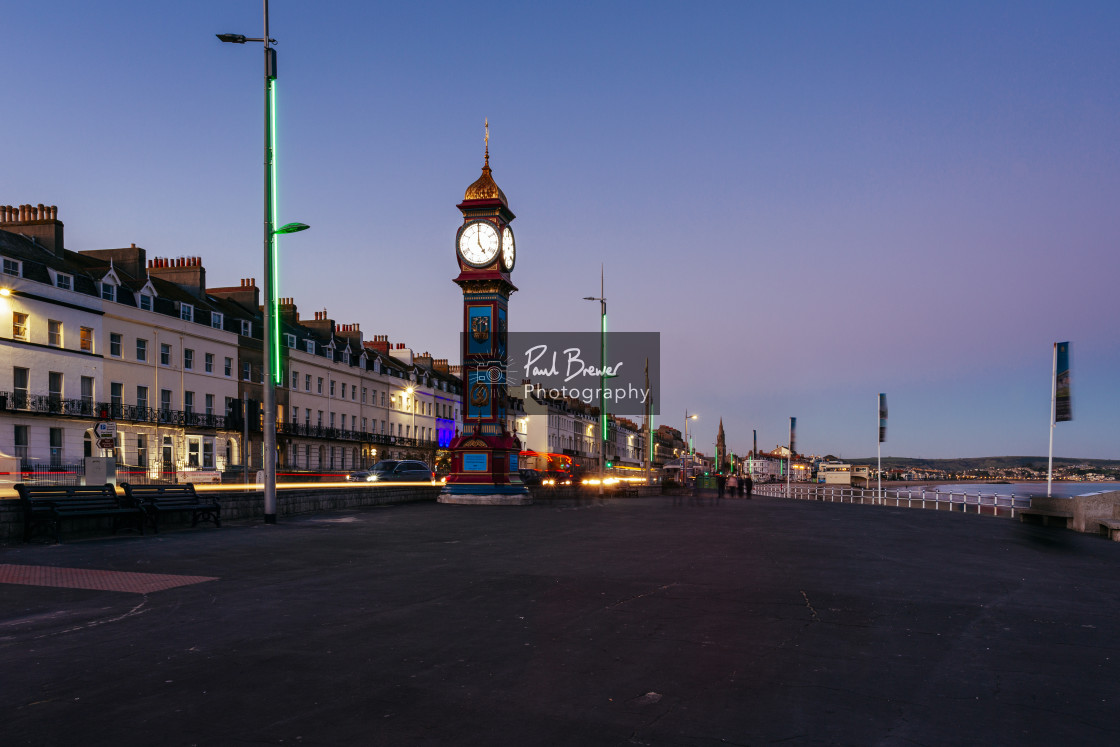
x: 105, y: 443
x: 106, y: 430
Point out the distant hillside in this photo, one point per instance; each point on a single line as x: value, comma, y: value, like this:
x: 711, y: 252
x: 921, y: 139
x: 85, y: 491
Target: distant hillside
x: 1038, y: 464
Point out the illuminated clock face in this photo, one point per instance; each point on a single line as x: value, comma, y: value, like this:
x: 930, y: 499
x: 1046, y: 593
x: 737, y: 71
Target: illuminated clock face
x: 478, y: 243
x: 507, y: 249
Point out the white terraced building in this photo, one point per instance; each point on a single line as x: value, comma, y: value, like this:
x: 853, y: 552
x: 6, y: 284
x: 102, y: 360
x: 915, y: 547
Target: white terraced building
x: 110, y: 335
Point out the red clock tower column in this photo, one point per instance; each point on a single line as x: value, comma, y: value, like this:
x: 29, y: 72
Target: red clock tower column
x: 484, y: 457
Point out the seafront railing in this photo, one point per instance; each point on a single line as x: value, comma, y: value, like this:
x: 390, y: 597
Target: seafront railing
x: 992, y: 504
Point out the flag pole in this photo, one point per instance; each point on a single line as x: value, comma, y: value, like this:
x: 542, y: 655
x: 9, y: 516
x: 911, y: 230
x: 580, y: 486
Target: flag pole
x: 1053, y: 405
x: 789, y: 462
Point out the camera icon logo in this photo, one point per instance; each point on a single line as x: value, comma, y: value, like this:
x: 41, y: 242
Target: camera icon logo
x: 492, y: 372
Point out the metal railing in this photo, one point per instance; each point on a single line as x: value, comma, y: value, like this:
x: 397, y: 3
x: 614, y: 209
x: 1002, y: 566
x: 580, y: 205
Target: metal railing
x: 993, y: 504
x: 45, y: 404
x: 339, y: 434
x: 37, y: 473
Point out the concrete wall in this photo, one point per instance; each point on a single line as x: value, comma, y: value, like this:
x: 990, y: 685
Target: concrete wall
x: 237, y: 505
x: 1087, y: 509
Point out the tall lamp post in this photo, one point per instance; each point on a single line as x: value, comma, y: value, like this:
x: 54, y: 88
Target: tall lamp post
x: 687, y: 447
x: 602, y: 299
x: 271, y: 368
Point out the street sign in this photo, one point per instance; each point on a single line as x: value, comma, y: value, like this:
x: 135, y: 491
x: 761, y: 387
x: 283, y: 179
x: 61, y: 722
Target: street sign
x: 106, y: 430
x: 105, y: 443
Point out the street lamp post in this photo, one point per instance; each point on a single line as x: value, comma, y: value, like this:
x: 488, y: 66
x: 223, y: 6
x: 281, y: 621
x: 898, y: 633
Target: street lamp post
x: 412, y: 400
x: 602, y: 299
x: 687, y: 447
x: 271, y: 367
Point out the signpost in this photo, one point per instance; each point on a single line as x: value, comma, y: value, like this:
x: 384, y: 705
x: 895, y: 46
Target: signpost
x: 106, y: 430
x: 105, y: 443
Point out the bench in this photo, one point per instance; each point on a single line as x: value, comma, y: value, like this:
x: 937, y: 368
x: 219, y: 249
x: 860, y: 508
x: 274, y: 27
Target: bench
x: 1045, y: 517
x: 1109, y: 528
x: 158, y: 499
x: 47, y: 506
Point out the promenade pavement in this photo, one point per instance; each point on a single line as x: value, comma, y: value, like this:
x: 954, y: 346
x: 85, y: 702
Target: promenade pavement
x: 632, y: 621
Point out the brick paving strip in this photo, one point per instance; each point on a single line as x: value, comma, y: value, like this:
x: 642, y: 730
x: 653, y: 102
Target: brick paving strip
x: 85, y: 578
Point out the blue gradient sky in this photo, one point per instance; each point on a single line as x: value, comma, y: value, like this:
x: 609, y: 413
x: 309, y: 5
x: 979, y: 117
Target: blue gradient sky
x: 812, y: 202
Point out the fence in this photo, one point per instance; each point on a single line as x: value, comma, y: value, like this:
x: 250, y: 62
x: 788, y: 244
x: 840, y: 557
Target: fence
x: 34, y: 473
x: 992, y: 504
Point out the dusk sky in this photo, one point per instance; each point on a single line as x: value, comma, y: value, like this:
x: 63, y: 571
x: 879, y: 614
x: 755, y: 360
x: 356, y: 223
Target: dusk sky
x: 811, y: 202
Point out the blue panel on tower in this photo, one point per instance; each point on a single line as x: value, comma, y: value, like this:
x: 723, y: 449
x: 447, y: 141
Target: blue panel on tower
x: 474, y: 462
x: 481, y: 330
x: 479, y: 390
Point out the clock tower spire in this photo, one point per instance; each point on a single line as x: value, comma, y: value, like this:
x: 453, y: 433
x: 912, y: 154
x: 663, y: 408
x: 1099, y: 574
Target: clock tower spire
x: 485, y: 457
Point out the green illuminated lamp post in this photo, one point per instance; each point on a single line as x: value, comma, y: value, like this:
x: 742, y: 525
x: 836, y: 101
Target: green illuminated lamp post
x: 271, y: 335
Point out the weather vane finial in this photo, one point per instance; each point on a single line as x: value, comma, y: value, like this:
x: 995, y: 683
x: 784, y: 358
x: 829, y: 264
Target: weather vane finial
x: 486, y: 125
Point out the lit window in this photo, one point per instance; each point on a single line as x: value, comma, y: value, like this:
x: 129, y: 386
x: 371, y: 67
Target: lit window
x: 86, y: 337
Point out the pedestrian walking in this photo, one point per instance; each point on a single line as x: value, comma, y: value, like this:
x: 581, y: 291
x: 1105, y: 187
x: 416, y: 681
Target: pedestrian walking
x: 721, y: 485
x: 732, y: 485
x: 750, y: 486
x: 742, y: 483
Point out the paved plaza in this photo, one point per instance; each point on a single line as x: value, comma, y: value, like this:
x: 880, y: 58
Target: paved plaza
x: 631, y: 621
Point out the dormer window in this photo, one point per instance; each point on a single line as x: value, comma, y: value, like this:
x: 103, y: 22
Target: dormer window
x: 12, y: 267
x: 108, y: 291
x: 216, y: 319
x: 65, y: 282
x: 346, y: 357
x: 309, y: 346
x: 186, y: 312
x: 289, y: 339
x: 246, y: 328
x: 145, y: 302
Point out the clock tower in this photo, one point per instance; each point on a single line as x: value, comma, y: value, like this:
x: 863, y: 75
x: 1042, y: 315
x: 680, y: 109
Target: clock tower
x: 484, y: 457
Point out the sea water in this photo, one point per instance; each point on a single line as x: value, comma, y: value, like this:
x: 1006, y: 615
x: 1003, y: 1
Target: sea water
x: 1059, y: 489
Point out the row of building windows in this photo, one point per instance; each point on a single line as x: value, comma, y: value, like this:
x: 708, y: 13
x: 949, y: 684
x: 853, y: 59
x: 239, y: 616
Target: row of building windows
x: 21, y: 330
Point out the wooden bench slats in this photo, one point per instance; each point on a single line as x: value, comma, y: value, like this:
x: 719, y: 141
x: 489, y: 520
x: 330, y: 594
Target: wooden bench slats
x: 157, y: 499
x: 48, y: 505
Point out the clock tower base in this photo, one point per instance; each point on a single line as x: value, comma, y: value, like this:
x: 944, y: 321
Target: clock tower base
x: 484, y: 472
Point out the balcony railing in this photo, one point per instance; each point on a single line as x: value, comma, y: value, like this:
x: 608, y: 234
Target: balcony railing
x: 315, y: 431
x: 45, y: 404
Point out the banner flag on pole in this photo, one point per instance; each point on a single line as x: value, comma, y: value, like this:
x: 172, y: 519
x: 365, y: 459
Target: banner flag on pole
x: 1062, y: 409
x: 792, y: 436
x: 882, y: 418
x: 755, y: 452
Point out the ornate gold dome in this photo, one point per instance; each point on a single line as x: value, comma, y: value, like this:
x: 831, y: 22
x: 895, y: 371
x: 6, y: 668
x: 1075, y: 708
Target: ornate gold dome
x: 485, y: 188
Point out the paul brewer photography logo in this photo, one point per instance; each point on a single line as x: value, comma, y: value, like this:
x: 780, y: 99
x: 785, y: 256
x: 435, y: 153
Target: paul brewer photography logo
x: 620, y: 371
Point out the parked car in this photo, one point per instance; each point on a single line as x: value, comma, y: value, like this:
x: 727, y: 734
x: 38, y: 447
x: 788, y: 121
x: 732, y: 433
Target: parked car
x: 404, y: 470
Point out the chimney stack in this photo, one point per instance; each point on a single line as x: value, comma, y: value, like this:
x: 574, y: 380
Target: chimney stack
x: 247, y: 294
x: 39, y: 223
x: 185, y: 272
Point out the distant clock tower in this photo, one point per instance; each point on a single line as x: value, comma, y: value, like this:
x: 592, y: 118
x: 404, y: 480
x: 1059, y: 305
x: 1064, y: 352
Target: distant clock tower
x: 484, y: 457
